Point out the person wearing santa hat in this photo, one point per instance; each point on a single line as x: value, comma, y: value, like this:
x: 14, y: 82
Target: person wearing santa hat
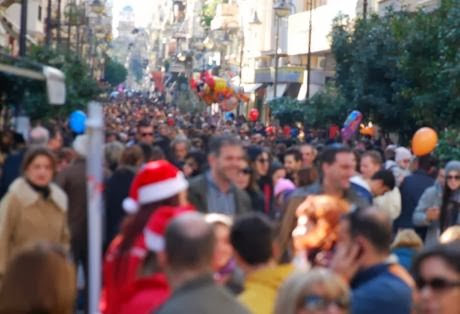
x: 157, y: 186
x: 151, y: 288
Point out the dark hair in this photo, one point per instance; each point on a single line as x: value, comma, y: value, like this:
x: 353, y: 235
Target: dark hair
x: 144, y: 124
x: 449, y: 252
x: 189, y: 242
x: 157, y: 153
x: 252, y: 236
x: 133, y: 226
x: 427, y: 163
x: 370, y: 224
x: 387, y: 178
x: 254, y: 151
x: 294, y: 151
x: 217, y: 142
x: 307, y: 176
x: 35, y: 151
x: 374, y: 156
x: 131, y: 156
x: 329, y: 154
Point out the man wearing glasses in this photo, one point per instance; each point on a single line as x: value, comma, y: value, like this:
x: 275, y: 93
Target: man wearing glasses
x: 144, y: 132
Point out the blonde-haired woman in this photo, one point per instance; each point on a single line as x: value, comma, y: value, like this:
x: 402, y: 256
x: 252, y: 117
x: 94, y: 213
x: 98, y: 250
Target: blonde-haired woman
x: 319, y: 291
x: 405, y: 246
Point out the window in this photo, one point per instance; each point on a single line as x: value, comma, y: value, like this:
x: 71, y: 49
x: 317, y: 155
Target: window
x: 39, y: 12
x: 315, y: 4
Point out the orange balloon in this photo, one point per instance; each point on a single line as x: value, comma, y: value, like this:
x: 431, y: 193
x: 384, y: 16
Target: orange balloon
x: 424, y: 141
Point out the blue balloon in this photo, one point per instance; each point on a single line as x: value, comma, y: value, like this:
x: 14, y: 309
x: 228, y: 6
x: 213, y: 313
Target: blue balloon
x: 294, y: 132
x: 77, y: 121
x: 229, y: 116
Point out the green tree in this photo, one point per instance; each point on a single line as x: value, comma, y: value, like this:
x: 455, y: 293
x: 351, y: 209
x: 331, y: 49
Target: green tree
x: 115, y: 72
x: 208, y: 12
x: 402, y: 70
x: 325, y: 108
x: 80, y: 86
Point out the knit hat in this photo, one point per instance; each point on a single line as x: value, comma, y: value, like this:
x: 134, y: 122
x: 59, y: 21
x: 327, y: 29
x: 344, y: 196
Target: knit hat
x: 156, y: 181
x: 453, y: 165
x: 156, y: 226
x: 282, y: 186
x: 402, y: 153
x: 80, y: 145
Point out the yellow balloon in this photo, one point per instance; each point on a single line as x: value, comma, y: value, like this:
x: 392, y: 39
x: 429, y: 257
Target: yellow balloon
x: 221, y: 84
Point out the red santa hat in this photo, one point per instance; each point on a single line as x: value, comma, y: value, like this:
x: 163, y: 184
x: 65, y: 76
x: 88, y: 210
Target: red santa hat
x: 156, y: 226
x: 156, y: 181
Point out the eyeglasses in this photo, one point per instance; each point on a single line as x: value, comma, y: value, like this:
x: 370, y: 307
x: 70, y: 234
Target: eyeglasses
x: 146, y: 134
x: 457, y: 178
x: 246, y: 171
x: 262, y: 160
x: 320, y: 303
x: 436, y: 284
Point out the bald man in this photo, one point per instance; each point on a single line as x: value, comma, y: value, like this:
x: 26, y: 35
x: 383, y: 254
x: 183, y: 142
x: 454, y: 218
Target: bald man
x: 187, y: 261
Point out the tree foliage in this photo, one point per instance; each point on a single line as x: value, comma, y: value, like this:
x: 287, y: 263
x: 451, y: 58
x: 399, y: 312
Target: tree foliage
x: 115, y: 72
x: 208, y: 12
x: 80, y: 87
x: 401, y: 70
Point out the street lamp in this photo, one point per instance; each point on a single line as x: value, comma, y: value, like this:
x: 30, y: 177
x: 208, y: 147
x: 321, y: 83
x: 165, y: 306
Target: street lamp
x: 281, y: 9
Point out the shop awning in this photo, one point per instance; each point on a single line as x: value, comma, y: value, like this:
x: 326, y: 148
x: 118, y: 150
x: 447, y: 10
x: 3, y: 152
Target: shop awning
x: 280, y: 89
x: 251, y: 88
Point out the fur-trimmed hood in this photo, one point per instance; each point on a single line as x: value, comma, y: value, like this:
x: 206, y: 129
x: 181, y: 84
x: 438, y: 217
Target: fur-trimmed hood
x: 26, y: 195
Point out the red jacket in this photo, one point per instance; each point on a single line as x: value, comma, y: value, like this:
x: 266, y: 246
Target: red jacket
x: 146, y: 295
x: 117, y: 281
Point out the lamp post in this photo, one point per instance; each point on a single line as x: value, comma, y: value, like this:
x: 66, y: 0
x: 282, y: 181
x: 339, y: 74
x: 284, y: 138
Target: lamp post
x: 23, y: 28
x: 310, y: 26
x: 48, y: 24
x: 281, y: 9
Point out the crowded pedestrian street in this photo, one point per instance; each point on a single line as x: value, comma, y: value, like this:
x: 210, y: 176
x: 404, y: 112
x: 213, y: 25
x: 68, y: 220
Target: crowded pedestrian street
x: 240, y: 157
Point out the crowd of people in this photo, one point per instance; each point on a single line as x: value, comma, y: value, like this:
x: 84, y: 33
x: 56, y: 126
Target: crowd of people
x: 204, y: 214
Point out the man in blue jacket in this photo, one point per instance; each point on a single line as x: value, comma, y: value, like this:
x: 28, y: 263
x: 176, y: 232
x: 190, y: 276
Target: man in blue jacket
x: 379, y: 285
x: 412, y: 189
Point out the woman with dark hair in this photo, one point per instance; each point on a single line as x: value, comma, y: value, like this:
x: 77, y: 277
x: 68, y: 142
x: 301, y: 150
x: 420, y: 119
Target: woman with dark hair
x: 34, y: 209
x: 437, y: 276
x: 439, y: 206
x: 246, y: 181
x: 259, y: 160
x: 195, y: 163
x: 117, y: 189
x: 40, y: 279
x: 157, y: 185
x: 450, y: 207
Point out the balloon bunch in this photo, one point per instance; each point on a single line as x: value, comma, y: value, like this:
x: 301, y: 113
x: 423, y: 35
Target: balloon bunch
x: 213, y: 89
x: 351, y: 124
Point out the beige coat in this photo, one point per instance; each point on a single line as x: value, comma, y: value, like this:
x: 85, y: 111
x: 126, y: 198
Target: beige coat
x: 25, y: 218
